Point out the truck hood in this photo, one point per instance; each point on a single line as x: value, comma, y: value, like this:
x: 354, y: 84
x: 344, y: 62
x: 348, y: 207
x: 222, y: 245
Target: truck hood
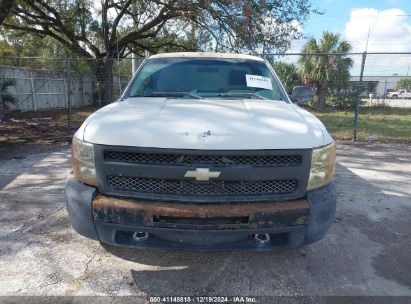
x: 209, y: 124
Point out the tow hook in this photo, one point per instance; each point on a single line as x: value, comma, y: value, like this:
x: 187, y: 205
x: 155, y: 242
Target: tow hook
x: 262, y: 238
x: 140, y: 236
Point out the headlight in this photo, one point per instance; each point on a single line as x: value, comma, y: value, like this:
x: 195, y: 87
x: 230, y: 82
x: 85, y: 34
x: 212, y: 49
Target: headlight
x: 322, y: 166
x: 82, y: 158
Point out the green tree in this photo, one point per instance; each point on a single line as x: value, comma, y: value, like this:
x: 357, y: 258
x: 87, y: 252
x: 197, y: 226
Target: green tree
x: 14, y: 48
x: 288, y: 74
x: 404, y: 83
x: 6, y: 98
x: 5, y: 8
x: 113, y: 28
x: 324, y: 66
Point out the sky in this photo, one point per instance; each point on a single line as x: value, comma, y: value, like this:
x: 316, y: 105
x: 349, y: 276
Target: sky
x: 389, y: 22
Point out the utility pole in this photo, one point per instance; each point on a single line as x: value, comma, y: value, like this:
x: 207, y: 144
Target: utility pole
x: 134, y: 63
x: 358, y: 103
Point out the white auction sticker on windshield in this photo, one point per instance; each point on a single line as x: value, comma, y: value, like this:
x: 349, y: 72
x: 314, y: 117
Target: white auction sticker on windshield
x: 256, y: 81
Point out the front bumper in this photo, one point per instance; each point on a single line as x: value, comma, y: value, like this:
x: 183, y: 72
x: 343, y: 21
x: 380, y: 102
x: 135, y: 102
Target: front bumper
x: 224, y: 226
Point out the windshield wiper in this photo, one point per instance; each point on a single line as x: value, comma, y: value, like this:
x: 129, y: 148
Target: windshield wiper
x: 245, y: 94
x: 173, y: 94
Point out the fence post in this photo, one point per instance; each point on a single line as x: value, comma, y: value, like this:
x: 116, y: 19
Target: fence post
x: 120, y: 89
x: 68, y: 84
x: 358, y: 103
x: 83, y: 99
x: 33, y: 103
x: 1, y: 107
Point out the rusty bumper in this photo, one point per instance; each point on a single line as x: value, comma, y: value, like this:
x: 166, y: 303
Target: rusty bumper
x: 200, y: 216
x: 224, y: 226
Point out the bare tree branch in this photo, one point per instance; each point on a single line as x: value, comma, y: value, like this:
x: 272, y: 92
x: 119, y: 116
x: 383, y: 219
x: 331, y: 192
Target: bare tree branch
x: 238, y: 25
x: 116, y: 21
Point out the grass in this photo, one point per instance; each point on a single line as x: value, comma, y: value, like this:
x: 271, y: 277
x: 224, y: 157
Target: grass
x: 388, y: 123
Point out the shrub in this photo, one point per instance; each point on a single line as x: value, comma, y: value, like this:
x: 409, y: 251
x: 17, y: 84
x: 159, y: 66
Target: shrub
x: 343, y: 100
x: 7, y: 100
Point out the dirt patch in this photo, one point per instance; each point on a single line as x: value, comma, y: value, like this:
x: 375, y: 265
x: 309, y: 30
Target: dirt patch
x: 38, y: 131
x: 41, y: 126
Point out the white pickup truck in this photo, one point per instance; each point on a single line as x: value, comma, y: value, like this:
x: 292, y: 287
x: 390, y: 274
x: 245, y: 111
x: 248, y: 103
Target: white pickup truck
x: 399, y: 94
x: 204, y: 151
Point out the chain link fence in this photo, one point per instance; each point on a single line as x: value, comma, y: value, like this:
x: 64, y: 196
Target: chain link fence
x: 44, y: 84
x: 354, y: 93
x: 58, y: 94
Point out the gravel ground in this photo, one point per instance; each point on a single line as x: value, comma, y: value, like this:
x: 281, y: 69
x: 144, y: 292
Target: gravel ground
x: 367, y: 251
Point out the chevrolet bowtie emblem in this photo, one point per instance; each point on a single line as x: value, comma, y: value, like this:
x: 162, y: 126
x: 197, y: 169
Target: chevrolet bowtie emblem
x: 202, y: 174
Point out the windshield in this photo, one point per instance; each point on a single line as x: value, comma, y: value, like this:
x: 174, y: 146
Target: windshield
x: 206, y: 78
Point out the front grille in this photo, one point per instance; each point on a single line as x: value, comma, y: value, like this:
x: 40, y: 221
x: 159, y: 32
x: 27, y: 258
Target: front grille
x: 159, y: 174
x: 215, y: 160
x: 212, y: 188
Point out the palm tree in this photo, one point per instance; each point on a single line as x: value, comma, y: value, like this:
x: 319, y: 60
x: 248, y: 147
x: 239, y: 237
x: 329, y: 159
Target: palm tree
x: 6, y: 99
x: 288, y: 74
x: 326, y: 69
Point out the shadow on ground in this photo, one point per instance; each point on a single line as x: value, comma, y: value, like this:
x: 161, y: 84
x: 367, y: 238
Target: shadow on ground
x: 366, y: 252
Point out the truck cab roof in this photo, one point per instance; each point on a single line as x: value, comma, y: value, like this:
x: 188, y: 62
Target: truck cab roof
x: 206, y: 55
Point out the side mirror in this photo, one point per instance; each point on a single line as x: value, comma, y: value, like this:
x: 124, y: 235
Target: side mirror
x: 302, y: 94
